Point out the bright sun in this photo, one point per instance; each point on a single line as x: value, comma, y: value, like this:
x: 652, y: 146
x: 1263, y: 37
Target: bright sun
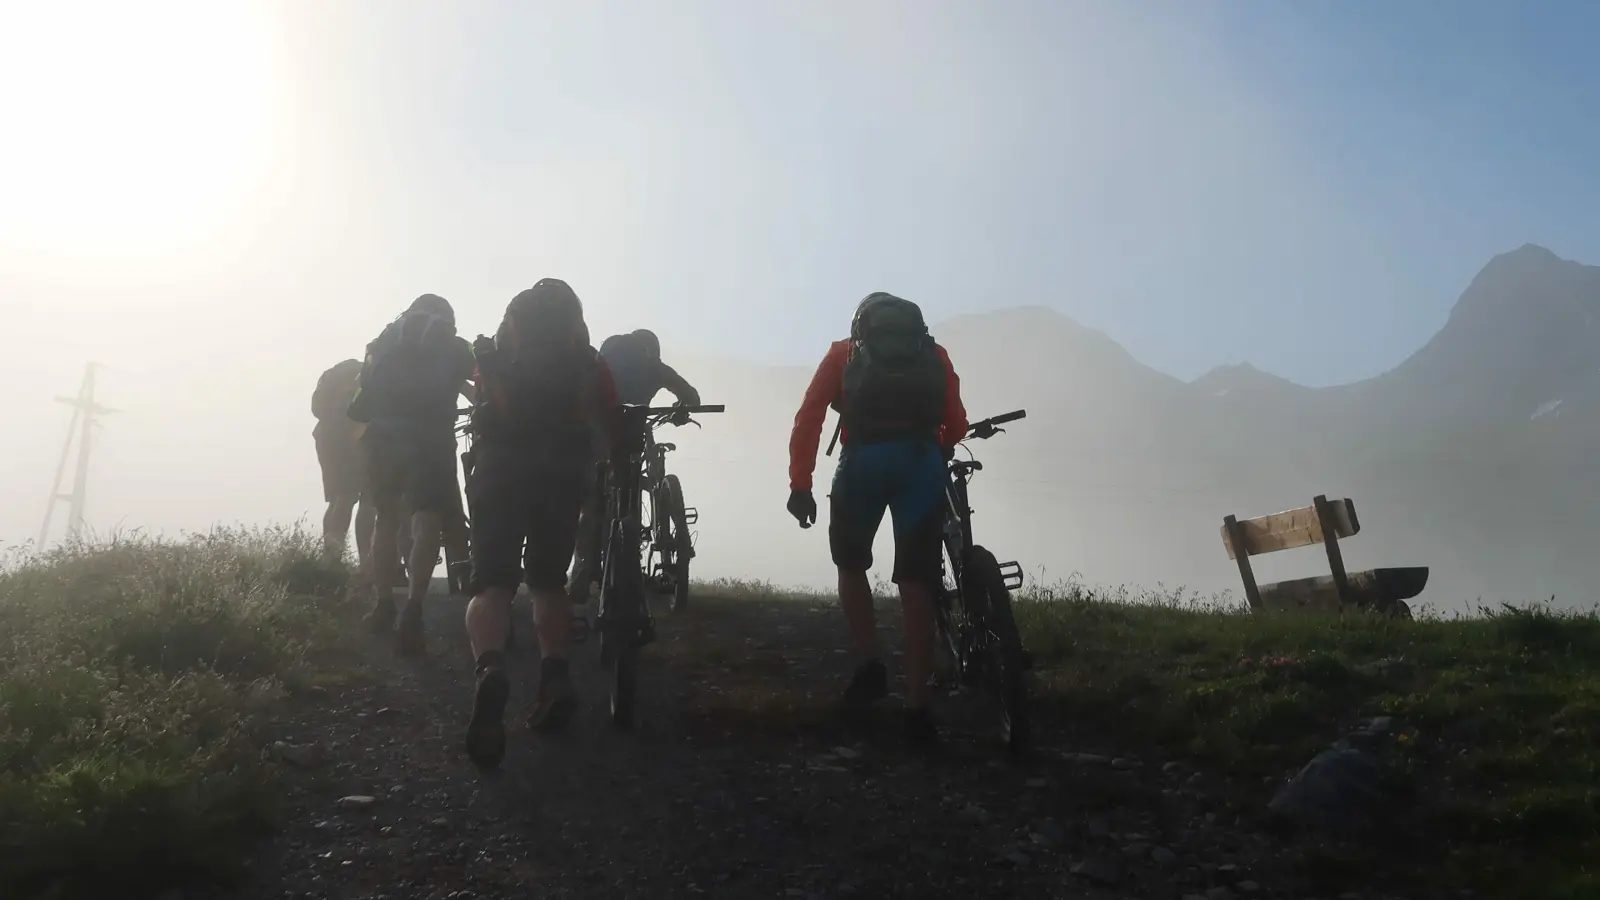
x: 128, y: 126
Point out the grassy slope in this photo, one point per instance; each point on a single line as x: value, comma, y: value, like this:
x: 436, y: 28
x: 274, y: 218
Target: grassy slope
x: 130, y: 679
x: 1500, y: 716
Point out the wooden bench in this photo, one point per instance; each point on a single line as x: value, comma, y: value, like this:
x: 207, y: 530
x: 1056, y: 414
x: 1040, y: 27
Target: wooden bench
x: 1323, y: 522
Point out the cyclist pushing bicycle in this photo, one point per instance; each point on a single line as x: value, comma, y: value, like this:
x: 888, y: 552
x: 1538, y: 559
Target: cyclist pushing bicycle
x: 901, y: 416
x: 634, y: 360
x: 546, y: 407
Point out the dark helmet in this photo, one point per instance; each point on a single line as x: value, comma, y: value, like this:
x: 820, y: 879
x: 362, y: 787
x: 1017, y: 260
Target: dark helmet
x: 867, y: 303
x: 435, y: 305
x: 549, y: 308
x: 650, y: 341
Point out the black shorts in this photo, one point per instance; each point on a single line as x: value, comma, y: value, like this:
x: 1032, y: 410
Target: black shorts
x: 406, y: 470
x: 525, y: 510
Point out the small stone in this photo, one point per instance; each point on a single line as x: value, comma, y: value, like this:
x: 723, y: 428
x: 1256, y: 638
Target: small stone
x: 846, y: 753
x: 1136, y: 849
x: 1098, y: 871
x: 1171, y: 767
x: 1228, y: 870
x: 1248, y: 887
x: 976, y: 813
x: 1091, y: 759
x: 440, y: 823
x: 1053, y: 832
x: 386, y: 712
x: 303, y: 756
x: 357, y: 801
x: 1036, y: 783
x: 1099, y: 828
x: 1124, y: 763
x: 1015, y: 856
x: 1163, y: 856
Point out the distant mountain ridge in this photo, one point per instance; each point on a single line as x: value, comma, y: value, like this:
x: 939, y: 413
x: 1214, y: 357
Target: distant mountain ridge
x: 1473, y: 455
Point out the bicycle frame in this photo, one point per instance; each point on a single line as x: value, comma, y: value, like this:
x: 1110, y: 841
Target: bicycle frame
x: 969, y: 636
x: 624, y: 488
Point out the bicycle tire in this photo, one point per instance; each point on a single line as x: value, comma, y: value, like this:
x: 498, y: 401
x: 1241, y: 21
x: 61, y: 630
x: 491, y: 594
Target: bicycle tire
x: 1005, y: 666
x: 680, y: 546
x: 622, y: 669
x: 619, y: 646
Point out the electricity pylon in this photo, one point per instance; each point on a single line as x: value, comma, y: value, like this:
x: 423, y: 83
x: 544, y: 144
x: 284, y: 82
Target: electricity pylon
x: 85, y: 419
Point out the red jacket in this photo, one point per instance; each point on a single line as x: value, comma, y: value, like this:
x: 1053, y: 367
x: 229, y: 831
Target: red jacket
x: 824, y: 390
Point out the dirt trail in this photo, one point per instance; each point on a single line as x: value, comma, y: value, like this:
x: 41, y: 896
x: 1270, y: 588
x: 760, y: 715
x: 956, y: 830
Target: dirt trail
x: 737, y: 782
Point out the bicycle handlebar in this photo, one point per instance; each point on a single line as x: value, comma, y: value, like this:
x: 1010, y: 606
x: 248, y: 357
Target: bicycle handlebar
x: 986, y: 424
x: 673, y: 410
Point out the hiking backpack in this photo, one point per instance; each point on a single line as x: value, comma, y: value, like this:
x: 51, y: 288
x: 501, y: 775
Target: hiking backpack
x: 894, y: 381
x: 540, y: 379
x: 409, y: 371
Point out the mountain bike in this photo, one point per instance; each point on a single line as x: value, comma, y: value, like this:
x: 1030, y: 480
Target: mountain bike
x: 972, y: 612
x: 623, y: 616
x: 666, y: 544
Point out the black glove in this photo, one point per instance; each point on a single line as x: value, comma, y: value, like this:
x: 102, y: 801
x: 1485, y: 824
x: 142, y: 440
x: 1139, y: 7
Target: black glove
x: 985, y: 431
x: 680, y: 418
x: 803, y: 506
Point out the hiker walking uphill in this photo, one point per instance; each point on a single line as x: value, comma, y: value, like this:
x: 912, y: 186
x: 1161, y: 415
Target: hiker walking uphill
x: 544, y: 397
x: 901, y: 415
x: 337, y: 439
x: 413, y: 373
x: 634, y: 361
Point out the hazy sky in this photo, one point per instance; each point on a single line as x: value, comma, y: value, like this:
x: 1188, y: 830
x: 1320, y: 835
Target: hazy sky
x: 219, y: 199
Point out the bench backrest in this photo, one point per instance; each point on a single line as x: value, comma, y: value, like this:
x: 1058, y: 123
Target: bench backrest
x: 1293, y: 528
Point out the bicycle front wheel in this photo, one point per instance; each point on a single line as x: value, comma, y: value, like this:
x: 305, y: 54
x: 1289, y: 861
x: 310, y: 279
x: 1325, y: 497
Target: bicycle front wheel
x: 677, y: 546
x: 1005, y: 668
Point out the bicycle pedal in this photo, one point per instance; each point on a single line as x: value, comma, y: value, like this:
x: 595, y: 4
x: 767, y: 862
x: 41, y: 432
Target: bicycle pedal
x: 1011, y: 575
x: 690, y: 515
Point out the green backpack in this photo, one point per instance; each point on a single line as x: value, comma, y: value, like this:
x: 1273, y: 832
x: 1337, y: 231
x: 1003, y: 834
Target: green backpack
x: 894, y: 382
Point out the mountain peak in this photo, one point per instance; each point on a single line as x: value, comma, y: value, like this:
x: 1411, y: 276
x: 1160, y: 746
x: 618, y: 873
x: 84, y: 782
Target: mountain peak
x: 1240, y: 377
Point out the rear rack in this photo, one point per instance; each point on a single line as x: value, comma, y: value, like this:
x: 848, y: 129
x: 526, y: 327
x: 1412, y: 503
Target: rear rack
x: 1011, y: 575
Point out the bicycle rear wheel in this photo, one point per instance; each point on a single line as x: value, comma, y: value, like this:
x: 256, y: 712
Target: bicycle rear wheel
x: 677, y: 546
x: 1005, y: 668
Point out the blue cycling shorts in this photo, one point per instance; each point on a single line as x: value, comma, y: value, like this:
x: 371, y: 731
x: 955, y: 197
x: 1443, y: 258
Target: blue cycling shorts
x: 908, y: 479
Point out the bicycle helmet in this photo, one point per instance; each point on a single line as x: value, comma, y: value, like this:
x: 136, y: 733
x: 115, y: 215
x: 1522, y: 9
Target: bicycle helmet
x: 650, y: 341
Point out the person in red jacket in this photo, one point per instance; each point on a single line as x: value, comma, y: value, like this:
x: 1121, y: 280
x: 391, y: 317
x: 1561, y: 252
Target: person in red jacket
x: 899, y: 402
x: 546, y: 400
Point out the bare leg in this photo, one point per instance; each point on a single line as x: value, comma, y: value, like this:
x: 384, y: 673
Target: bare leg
x: 336, y: 525
x: 916, y: 605
x: 425, y: 538
x: 855, y: 596
x: 366, y: 521
x: 552, y: 616
x: 488, y: 620
x: 385, y: 560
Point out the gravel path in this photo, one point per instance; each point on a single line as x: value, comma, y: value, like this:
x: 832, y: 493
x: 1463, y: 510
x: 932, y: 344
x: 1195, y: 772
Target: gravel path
x: 737, y: 782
